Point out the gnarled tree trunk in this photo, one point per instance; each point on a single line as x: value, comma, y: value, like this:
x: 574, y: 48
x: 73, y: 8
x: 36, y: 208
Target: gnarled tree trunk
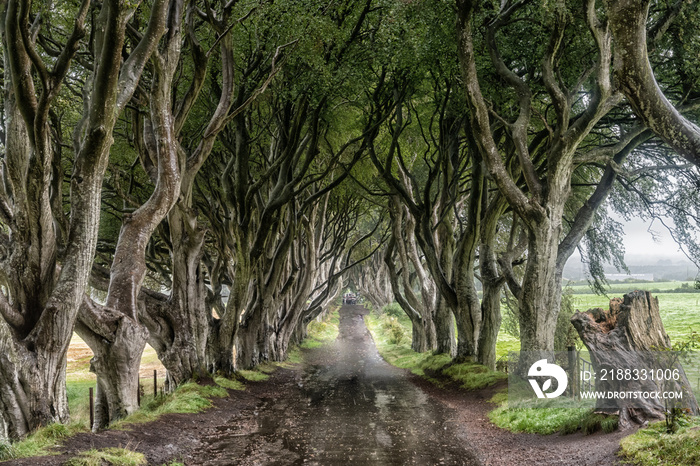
x: 41, y: 317
x: 117, y: 342
x: 630, y: 336
x: 179, y: 325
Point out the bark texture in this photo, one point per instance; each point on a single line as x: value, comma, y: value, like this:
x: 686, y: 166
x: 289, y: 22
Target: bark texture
x: 628, y: 21
x: 630, y: 335
x: 44, y: 297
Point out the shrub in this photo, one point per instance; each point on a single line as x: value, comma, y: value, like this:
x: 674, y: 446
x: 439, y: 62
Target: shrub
x: 397, y: 334
x: 393, y: 310
x: 391, y: 326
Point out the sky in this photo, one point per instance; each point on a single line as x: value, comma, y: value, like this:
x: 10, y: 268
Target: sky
x: 646, y: 242
x: 650, y: 239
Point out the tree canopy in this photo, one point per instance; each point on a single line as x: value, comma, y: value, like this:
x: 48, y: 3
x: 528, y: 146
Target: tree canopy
x: 208, y: 176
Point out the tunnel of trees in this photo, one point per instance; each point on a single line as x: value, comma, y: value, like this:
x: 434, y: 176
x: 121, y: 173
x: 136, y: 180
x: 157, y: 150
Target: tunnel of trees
x: 207, y: 176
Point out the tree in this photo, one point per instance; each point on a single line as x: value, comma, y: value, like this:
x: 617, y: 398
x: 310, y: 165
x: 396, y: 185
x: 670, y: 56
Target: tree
x: 628, y: 21
x: 420, y: 311
x: 45, y: 274
x: 546, y: 138
x: 113, y: 331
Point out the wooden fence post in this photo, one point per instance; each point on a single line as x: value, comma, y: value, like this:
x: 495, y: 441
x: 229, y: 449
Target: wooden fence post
x: 92, y: 409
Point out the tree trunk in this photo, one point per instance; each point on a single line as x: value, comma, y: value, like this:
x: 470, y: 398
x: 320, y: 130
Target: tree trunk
x: 250, y: 340
x: 490, y: 308
x: 32, y: 387
x: 419, y: 336
x: 630, y: 336
x: 540, y: 297
x: 32, y: 367
x: 179, y: 325
x: 491, y: 281
x: 444, y: 329
x: 372, y: 280
x: 220, y: 348
x: 300, y: 333
x: 116, y: 364
x: 467, y: 308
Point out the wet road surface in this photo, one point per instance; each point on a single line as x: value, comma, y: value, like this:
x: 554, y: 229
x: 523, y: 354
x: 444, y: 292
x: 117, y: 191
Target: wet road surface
x: 346, y: 405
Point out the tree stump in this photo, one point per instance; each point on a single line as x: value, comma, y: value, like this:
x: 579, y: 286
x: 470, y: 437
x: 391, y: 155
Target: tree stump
x: 626, y: 337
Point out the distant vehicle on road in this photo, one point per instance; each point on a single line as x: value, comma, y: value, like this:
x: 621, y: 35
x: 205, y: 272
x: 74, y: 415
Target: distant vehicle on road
x: 351, y: 298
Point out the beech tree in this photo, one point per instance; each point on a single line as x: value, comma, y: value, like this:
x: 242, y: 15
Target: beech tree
x: 629, y: 20
x: 113, y: 331
x: 178, y: 323
x: 420, y: 311
x: 278, y: 152
x: 547, y: 136
x: 371, y: 279
x: 45, y: 274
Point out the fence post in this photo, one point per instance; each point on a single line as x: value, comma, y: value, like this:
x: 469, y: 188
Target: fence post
x: 573, y: 363
x: 92, y: 409
x: 138, y: 393
x: 155, y: 383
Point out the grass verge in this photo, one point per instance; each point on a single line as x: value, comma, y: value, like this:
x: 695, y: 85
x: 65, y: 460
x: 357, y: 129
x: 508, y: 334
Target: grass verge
x: 519, y: 418
x: 189, y: 397
x: 319, y: 333
x: 398, y: 352
x: 653, y: 446
x: 546, y: 420
x: 322, y: 332
x: 114, y: 456
x: 40, y: 442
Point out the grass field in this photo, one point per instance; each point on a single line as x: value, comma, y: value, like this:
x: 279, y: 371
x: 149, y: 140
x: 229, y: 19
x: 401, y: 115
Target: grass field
x: 680, y: 312
x: 392, y: 336
x: 621, y: 288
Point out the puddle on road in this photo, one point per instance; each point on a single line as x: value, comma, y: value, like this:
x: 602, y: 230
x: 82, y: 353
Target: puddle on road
x: 347, y: 406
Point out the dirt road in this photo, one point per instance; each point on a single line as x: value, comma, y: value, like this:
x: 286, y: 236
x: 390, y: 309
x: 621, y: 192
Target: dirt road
x: 348, y: 406
x: 344, y: 406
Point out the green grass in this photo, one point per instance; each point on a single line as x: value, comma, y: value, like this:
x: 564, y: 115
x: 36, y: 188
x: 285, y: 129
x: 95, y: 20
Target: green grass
x: 680, y: 312
x: 253, y: 375
x: 113, y: 456
x: 505, y: 344
x: 470, y: 375
x: 229, y: 383
x: 189, y: 397
x: 322, y: 332
x: 540, y: 420
x: 78, y: 405
x: 293, y: 357
x: 38, y: 443
x: 622, y: 288
x: 653, y: 446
